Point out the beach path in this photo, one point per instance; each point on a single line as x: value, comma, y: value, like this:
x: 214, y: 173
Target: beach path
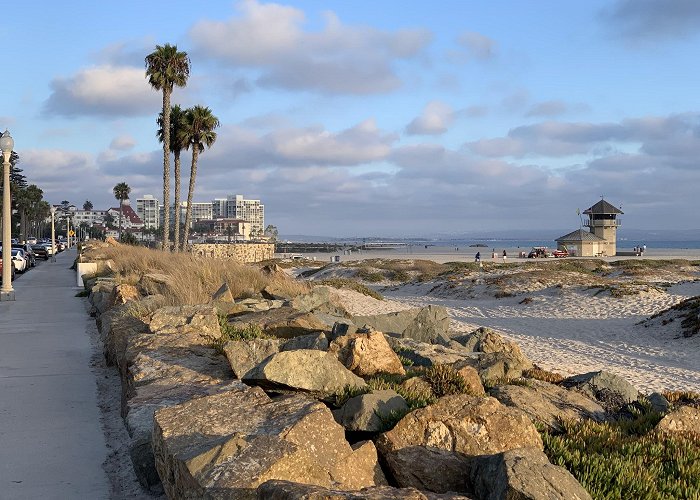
x: 51, y: 441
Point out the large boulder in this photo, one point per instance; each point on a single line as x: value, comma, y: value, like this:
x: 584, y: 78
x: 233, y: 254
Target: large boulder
x: 684, y: 419
x: 287, y: 490
x: 317, y: 341
x: 549, y: 404
x: 495, y: 367
x: 430, y: 324
x: 366, y: 412
x: 307, y: 370
x: 199, y: 319
x: 523, y: 474
x: 227, y: 445
x: 366, y: 354
x: 424, y: 354
x: 223, y: 295
x: 243, y: 355
x: 430, y: 448
x: 612, y: 391
x: 283, y: 322
x: 321, y: 299
x: 487, y: 340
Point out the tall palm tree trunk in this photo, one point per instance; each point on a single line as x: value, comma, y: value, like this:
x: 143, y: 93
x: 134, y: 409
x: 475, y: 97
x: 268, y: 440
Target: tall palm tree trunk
x: 120, y: 219
x: 190, y: 193
x: 166, y: 168
x: 177, y: 200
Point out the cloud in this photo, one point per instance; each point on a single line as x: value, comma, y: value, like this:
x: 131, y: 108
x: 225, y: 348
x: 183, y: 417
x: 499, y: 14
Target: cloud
x: 435, y: 119
x: 478, y: 46
x: 103, y: 91
x: 338, y: 59
x: 123, y: 143
x: 654, y: 19
x: 548, y: 108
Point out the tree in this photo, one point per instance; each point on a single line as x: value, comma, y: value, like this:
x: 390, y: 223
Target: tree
x: 271, y: 232
x: 177, y: 116
x: 87, y: 206
x: 27, y: 200
x: 198, y: 134
x: 121, y: 192
x: 165, y: 68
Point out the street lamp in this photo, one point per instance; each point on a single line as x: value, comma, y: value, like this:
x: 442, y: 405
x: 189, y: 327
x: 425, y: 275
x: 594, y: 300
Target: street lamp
x: 6, y: 145
x: 53, y: 234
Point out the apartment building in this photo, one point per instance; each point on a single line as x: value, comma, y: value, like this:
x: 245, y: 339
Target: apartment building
x: 148, y: 210
x: 237, y: 207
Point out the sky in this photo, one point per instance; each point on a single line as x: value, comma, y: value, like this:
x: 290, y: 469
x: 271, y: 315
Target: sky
x: 372, y: 118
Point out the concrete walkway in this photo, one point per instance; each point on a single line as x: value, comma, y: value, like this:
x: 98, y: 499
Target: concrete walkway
x: 51, y: 440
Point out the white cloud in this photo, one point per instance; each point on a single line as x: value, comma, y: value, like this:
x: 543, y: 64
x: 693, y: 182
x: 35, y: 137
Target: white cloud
x: 435, y: 119
x: 478, y: 46
x: 123, y: 143
x: 337, y: 59
x: 103, y: 91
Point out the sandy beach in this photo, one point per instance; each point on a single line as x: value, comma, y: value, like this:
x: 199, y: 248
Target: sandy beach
x: 572, y: 328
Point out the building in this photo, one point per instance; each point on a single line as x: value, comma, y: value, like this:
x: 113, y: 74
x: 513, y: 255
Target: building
x: 148, y: 210
x: 130, y: 220
x: 237, y: 207
x: 200, y: 211
x: 601, y: 239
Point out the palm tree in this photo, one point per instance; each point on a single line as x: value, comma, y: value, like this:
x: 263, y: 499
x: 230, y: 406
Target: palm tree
x: 121, y: 192
x: 197, y: 133
x: 27, y: 200
x: 177, y: 116
x: 165, y: 68
x: 87, y: 206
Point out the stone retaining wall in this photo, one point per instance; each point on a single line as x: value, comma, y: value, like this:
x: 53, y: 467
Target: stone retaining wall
x: 242, y: 252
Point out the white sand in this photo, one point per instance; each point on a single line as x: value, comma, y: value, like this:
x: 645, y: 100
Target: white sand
x: 572, y: 331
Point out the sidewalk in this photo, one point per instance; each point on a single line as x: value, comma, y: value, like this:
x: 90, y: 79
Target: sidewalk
x: 51, y: 441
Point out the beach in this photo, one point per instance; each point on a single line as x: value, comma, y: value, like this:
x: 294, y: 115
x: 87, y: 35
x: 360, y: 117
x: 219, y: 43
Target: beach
x: 564, y: 326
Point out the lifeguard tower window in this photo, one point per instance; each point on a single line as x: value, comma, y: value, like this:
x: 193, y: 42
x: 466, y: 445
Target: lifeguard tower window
x: 603, y: 216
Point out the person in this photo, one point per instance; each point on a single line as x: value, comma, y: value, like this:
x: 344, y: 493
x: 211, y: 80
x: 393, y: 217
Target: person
x: 505, y: 255
x: 493, y: 254
x: 478, y: 257
x: 644, y: 249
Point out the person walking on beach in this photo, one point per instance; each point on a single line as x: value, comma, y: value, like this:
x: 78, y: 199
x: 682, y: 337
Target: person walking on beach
x: 478, y: 257
x: 505, y: 255
x: 493, y: 254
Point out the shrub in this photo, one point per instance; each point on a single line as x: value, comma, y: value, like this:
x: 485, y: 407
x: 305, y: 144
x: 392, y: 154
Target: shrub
x: 230, y: 332
x: 367, y: 274
x: 351, y: 285
x: 545, y: 376
x: 627, y: 458
x: 445, y: 380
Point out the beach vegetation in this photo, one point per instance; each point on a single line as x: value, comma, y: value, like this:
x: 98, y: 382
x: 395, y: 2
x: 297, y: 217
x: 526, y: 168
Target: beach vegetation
x: 190, y: 279
x: 351, y: 284
x: 627, y: 458
x: 231, y: 332
x: 545, y: 376
x: 370, y: 275
x: 687, y: 398
x: 166, y: 67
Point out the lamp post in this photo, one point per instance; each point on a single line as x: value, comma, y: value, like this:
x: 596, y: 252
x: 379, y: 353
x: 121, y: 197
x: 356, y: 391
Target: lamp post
x: 53, y: 234
x: 6, y: 145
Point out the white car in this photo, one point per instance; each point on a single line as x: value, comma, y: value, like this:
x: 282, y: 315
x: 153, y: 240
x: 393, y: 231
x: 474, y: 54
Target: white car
x: 19, y: 260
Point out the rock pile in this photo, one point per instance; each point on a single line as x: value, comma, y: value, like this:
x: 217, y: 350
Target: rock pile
x: 327, y: 405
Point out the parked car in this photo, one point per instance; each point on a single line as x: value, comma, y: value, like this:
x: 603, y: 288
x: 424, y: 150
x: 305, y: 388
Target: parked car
x: 41, y: 251
x: 538, y: 252
x: 31, y: 256
x: 31, y: 240
x: 20, y: 261
x: 560, y: 253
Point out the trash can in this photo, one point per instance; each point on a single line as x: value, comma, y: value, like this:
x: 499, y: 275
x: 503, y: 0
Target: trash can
x: 337, y: 258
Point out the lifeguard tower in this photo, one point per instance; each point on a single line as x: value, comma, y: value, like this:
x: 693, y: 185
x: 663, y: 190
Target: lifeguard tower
x: 601, y: 239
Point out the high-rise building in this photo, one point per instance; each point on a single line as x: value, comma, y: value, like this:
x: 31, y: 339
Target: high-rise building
x: 148, y: 209
x: 237, y: 207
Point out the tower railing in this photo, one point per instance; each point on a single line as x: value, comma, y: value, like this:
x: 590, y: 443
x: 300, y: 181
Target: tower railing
x: 602, y: 222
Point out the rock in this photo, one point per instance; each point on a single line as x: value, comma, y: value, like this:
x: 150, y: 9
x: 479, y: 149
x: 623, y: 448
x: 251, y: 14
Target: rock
x: 364, y: 413
x: 320, y: 298
x: 340, y: 328
x: 155, y: 284
x: 125, y: 293
x: 246, y: 306
x: 311, y: 371
x: 243, y: 355
x: 284, y: 322
x: 272, y: 270
x: 287, y: 490
x: 495, y: 367
x: 200, y: 319
x: 472, y: 379
x: 549, y: 404
x: 612, y: 391
x: 278, y: 290
x: 227, y: 445
x: 684, y: 419
x: 422, y: 354
x: 223, y: 295
x: 316, y: 341
x: 488, y: 340
x: 430, y: 448
x: 523, y: 474
x: 429, y: 324
x: 366, y: 354
x: 658, y: 402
